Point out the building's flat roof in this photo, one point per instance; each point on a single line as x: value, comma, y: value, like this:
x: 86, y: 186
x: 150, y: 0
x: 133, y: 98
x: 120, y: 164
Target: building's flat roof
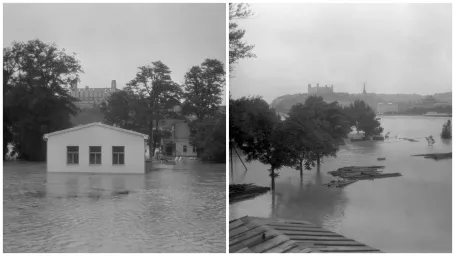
x: 46, y: 136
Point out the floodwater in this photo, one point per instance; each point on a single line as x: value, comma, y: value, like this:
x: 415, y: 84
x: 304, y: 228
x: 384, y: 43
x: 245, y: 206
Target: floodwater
x: 181, y: 208
x: 412, y: 213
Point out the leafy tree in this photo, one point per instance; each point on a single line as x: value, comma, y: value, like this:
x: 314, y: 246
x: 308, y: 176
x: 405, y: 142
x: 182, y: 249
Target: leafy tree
x: 122, y: 109
x: 238, y: 49
x: 315, y: 129
x: 258, y: 131
x: 203, y: 95
x: 447, y: 130
x: 154, y: 84
x: 363, y: 118
x: 36, y: 95
x: 210, y: 139
x: 203, y: 87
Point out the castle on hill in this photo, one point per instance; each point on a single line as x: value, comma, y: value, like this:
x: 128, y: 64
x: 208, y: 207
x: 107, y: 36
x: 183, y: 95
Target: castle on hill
x: 319, y: 90
x: 90, y: 96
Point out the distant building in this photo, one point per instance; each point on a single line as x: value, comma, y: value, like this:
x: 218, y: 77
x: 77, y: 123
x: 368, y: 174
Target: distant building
x: 89, y: 96
x: 179, y: 142
x: 96, y: 148
x: 431, y: 102
x: 320, y: 90
x: 383, y: 108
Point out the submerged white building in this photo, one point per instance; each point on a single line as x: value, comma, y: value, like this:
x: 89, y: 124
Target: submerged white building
x: 96, y: 148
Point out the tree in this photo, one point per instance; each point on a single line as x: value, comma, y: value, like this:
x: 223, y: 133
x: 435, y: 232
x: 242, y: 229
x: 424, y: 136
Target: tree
x: 210, y: 139
x: 36, y: 95
x: 154, y: 84
x: 203, y: 88
x: 315, y: 129
x: 238, y: 49
x: 126, y: 110
x: 363, y: 118
x: 257, y: 130
x: 447, y: 130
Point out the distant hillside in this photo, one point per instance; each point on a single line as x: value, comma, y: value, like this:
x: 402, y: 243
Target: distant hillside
x: 284, y: 103
x: 88, y: 115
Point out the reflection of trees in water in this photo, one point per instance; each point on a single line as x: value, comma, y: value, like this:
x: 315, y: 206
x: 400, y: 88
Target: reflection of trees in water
x: 446, y: 141
x: 309, y: 201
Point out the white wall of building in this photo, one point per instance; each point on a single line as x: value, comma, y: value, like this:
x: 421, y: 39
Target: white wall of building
x: 96, y: 136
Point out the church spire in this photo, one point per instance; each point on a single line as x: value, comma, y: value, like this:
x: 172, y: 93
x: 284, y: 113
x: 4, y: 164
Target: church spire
x: 364, y: 92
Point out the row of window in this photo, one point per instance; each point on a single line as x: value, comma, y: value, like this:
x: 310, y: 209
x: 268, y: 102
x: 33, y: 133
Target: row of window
x: 185, y: 149
x: 118, y: 155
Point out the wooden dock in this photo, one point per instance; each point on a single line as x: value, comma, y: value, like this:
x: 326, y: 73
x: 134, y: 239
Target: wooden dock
x: 238, y: 192
x: 260, y: 235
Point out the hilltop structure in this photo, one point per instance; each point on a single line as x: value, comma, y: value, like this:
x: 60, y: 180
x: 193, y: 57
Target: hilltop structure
x: 89, y: 96
x: 319, y: 90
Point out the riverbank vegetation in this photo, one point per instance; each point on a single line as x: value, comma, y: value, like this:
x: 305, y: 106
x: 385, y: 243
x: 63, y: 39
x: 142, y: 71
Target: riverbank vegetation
x: 36, y: 95
x: 312, y: 131
x: 447, y: 130
x: 37, y: 79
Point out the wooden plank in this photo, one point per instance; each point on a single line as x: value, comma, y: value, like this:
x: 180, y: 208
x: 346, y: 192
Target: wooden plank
x: 300, y: 249
x: 247, y: 235
x: 288, y: 245
x: 298, y: 222
x: 327, y: 243
x: 284, y: 225
x: 244, y: 250
x: 319, y: 238
x: 236, y: 231
x: 308, y: 233
x: 347, y: 249
x: 308, y: 229
x: 235, y: 224
x: 250, y: 226
x: 269, y: 244
x: 251, y: 241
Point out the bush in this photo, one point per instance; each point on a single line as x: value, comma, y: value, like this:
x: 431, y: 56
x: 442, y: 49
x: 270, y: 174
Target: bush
x: 447, y: 130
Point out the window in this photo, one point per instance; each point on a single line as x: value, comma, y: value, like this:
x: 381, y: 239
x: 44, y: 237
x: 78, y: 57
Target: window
x: 184, y: 148
x: 95, y: 155
x: 72, y: 155
x: 118, y: 155
x: 194, y: 149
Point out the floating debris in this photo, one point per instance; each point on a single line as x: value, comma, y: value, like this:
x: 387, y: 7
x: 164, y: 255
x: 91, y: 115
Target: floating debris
x: 411, y: 140
x: 238, y: 192
x: 381, y: 158
x: 437, y: 156
x: 339, y: 183
x: 355, y: 173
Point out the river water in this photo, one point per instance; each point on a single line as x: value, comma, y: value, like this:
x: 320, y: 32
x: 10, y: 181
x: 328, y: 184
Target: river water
x: 412, y: 213
x: 181, y: 208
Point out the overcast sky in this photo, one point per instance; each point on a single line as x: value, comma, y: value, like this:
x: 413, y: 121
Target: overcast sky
x: 112, y: 40
x: 394, y: 48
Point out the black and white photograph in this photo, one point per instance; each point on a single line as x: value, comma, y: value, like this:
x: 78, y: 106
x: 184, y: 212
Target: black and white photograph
x: 114, y: 128
x: 340, y: 127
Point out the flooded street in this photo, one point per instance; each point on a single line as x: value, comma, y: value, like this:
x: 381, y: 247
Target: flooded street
x: 179, y: 209
x: 412, y: 213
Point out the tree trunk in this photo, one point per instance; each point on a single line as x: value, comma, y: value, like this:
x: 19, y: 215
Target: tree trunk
x: 301, y: 170
x: 155, y: 137
x: 151, y: 147
x: 273, y: 179
x: 318, y: 160
x: 232, y: 165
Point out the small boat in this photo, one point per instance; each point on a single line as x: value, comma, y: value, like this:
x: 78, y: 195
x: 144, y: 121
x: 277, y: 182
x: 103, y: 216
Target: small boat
x: 381, y: 158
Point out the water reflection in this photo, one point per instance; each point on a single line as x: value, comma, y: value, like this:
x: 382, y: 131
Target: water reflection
x: 393, y: 215
x: 181, y: 209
